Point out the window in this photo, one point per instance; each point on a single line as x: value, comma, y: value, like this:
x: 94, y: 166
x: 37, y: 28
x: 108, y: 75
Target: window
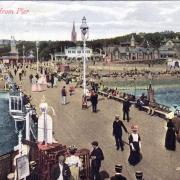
x: 79, y: 52
x: 69, y: 51
x: 74, y: 52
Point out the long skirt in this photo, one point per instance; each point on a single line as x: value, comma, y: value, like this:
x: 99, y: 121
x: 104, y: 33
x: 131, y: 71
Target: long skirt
x: 135, y: 156
x: 170, y: 141
x: 74, y: 172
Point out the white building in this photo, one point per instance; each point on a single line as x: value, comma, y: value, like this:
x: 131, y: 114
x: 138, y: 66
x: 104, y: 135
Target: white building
x: 74, y: 53
x: 78, y: 52
x: 172, y: 62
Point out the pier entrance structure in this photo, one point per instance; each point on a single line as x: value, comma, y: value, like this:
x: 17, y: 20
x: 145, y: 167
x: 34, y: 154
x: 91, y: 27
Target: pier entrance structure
x: 15, y: 104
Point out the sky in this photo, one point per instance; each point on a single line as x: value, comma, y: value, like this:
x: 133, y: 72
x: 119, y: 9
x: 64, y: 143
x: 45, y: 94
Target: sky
x: 52, y: 20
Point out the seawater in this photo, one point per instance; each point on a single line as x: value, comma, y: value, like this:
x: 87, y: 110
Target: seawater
x: 8, y: 137
x: 167, y: 92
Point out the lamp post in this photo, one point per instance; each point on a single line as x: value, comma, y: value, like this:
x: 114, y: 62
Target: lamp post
x: 23, y: 54
x: 135, y: 87
x: 84, y: 34
x: 37, y: 48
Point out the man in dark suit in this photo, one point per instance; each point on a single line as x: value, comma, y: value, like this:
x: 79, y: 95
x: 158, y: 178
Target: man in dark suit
x: 118, y: 175
x: 61, y: 170
x: 126, y: 107
x: 117, y: 132
x: 96, y: 158
x: 94, y: 101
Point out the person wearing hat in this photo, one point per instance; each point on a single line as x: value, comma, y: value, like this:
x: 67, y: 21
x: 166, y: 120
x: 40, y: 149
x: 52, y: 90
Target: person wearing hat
x: 117, y: 132
x: 126, y: 108
x: 118, y: 175
x: 139, y: 175
x: 170, y: 139
x: 135, y: 146
x: 96, y: 157
x: 74, y: 163
x: 61, y: 171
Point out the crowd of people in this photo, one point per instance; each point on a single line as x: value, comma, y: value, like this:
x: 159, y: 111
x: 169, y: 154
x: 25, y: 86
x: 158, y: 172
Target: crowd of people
x: 69, y: 167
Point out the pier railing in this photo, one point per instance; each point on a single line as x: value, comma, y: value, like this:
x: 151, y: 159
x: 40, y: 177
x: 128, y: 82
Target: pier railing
x: 160, y: 109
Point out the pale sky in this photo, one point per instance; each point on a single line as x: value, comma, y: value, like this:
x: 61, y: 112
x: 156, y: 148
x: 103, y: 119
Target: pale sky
x: 52, y: 20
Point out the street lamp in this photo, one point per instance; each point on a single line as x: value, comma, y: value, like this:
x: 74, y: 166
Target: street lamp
x: 37, y: 48
x: 84, y: 34
x: 135, y: 87
x: 23, y: 54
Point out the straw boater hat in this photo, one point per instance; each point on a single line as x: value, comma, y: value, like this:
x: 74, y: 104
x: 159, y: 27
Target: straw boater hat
x: 118, y: 168
x: 134, y: 128
x: 139, y: 174
x: 170, y: 115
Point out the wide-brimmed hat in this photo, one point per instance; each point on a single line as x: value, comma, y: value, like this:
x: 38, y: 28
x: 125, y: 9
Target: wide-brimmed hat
x: 170, y: 115
x: 117, y: 116
x: 134, y: 127
x: 72, y: 149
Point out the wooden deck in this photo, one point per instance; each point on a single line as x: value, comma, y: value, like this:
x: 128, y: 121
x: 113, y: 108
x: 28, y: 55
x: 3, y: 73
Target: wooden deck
x: 72, y: 125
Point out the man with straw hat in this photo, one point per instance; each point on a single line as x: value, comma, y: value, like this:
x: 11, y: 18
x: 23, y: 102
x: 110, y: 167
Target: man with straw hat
x: 117, y: 132
x: 135, y: 146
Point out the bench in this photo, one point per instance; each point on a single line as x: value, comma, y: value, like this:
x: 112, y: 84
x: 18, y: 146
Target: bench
x: 158, y: 112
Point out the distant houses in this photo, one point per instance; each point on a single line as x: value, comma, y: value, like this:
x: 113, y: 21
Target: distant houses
x: 170, y: 48
x: 124, y: 51
x: 133, y: 51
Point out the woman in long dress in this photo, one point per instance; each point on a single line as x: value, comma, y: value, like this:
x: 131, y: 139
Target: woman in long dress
x: 135, y: 146
x: 74, y: 163
x: 170, y: 140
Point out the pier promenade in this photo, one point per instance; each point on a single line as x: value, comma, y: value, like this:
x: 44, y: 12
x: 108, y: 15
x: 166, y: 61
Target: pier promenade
x: 74, y: 126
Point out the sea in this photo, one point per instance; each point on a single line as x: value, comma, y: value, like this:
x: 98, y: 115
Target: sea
x: 8, y: 137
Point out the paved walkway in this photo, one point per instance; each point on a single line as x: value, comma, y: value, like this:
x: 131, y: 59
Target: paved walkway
x: 72, y: 125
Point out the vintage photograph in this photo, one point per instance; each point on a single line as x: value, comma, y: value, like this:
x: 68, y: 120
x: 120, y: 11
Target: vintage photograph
x: 89, y: 90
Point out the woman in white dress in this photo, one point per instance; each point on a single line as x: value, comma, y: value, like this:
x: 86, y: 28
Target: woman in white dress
x: 74, y: 163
